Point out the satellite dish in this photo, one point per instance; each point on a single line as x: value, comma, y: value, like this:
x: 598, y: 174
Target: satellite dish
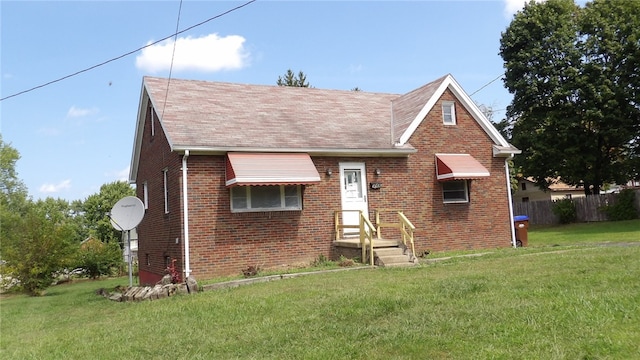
x: 127, y: 213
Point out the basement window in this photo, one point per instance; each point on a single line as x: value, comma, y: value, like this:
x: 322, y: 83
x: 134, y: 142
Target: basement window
x: 455, y: 191
x: 266, y: 198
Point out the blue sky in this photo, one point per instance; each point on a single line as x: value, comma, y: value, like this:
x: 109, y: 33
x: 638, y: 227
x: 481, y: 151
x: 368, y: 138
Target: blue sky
x: 77, y: 134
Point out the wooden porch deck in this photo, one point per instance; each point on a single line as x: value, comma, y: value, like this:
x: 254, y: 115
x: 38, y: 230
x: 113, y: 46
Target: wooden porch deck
x: 355, y: 243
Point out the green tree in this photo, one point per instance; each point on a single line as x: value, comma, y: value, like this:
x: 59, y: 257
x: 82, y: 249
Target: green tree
x: 60, y: 210
x: 291, y: 79
x: 38, y: 246
x: 13, y: 195
x: 574, y: 76
x: 96, y: 207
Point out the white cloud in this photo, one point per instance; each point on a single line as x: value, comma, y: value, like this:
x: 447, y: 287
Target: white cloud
x: 75, y: 112
x: 119, y: 175
x: 208, y: 54
x: 54, y: 188
x: 513, y: 6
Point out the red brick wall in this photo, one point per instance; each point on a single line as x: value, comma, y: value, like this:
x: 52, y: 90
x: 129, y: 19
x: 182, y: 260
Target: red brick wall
x: 223, y: 243
x: 158, y: 231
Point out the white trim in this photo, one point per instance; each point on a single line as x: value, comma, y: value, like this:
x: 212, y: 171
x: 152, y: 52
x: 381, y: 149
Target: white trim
x: 165, y: 183
x: 145, y: 194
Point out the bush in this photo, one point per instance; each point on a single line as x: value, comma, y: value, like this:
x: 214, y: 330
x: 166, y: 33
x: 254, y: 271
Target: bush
x: 36, y: 250
x: 98, y: 258
x: 565, y: 210
x: 624, y: 208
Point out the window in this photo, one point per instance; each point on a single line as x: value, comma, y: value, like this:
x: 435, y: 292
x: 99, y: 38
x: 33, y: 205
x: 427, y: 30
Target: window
x: 525, y: 199
x: 266, y: 198
x: 524, y: 186
x: 448, y: 113
x: 153, y: 125
x: 166, y: 190
x: 456, y: 191
x: 145, y: 193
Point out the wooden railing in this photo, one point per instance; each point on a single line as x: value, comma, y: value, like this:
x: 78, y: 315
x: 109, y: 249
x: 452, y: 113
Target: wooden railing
x: 403, y: 224
x: 367, y: 230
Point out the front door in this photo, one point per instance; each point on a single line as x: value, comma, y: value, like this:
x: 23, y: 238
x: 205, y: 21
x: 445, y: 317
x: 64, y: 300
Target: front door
x: 353, y: 190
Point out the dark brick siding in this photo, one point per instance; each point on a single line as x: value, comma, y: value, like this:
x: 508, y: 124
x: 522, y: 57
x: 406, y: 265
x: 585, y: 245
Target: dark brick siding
x: 223, y: 243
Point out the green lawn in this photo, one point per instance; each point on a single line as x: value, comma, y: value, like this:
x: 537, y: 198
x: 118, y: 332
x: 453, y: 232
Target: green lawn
x: 579, y: 234
x: 543, y: 302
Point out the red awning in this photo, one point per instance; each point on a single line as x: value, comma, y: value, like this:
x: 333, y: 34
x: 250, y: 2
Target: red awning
x: 270, y: 169
x: 459, y: 166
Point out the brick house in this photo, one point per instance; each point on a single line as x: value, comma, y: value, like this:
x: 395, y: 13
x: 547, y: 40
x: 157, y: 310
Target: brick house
x: 236, y: 175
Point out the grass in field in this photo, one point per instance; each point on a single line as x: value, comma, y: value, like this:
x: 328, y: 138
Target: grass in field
x: 577, y: 303
x: 585, y: 233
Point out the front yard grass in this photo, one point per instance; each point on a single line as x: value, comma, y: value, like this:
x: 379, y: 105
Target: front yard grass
x: 581, y: 302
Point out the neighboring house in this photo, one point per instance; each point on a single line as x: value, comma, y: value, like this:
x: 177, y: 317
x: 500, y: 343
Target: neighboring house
x: 529, y: 191
x: 236, y: 175
x: 133, y: 238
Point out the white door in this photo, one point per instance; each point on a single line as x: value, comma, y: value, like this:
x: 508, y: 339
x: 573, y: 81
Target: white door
x: 353, y: 189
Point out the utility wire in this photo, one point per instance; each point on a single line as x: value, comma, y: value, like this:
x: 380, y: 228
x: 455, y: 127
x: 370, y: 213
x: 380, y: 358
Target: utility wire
x: 173, y: 54
x: 487, y: 84
x: 127, y: 54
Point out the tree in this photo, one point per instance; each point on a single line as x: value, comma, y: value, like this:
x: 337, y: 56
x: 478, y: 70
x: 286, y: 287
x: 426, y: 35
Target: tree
x: 574, y: 76
x: 13, y: 194
x: 290, y: 79
x: 97, y: 206
x: 39, y: 247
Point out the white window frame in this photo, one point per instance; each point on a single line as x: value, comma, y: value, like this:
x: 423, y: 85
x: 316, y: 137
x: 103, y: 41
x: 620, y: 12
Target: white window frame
x: 244, y: 193
x: 153, y: 123
x: 449, y: 107
x: 455, y: 200
x: 145, y: 194
x: 165, y: 183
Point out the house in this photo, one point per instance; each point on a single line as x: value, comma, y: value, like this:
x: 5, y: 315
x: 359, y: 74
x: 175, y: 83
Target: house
x: 528, y: 190
x: 130, y: 243
x: 237, y: 175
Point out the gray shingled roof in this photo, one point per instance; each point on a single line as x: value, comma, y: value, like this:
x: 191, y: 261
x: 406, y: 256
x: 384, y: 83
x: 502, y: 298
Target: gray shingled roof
x: 213, y: 115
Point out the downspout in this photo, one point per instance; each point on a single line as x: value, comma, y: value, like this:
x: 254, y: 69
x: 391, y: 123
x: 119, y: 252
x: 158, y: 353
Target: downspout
x: 185, y: 212
x: 508, y: 176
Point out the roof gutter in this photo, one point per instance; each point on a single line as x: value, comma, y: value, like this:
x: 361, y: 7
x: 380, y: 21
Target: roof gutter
x: 397, y: 152
x: 185, y: 212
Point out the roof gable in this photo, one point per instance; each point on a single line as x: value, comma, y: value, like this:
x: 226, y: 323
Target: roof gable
x: 410, y: 114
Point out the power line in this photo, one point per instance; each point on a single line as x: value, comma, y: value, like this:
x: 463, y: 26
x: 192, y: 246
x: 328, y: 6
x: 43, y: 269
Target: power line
x: 487, y: 84
x: 173, y: 54
x: 128, y: 53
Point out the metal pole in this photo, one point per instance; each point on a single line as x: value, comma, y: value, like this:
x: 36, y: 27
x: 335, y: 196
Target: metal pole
x: 129, y: 247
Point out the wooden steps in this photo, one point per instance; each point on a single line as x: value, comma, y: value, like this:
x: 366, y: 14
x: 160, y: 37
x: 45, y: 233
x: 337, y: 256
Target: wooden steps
x: 393, y: 257
x: 386, y: 252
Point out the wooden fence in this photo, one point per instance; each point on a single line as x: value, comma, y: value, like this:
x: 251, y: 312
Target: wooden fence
x: 587, y: 209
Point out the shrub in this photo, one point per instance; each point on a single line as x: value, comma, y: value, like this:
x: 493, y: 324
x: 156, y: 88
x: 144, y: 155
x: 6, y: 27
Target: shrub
x: 565, y: 210
x: 98, y: 258
x: 623, y: 208
x: 39, y: 248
